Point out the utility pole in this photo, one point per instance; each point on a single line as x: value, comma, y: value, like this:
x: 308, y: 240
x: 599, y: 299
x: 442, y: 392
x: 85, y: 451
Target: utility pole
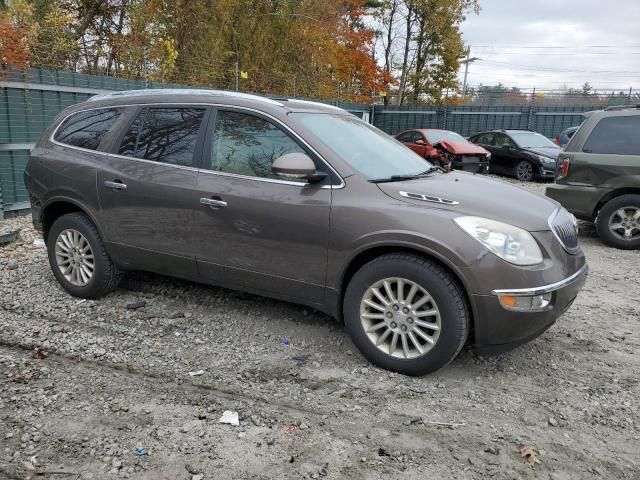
x: 466, y: 62
x: 237, y: 74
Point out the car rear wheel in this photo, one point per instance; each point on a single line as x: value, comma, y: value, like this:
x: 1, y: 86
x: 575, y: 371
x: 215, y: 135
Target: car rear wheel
x: 406, y: 313
x: 78, y: 257
x: 618, y: 222
x: 524, y: 171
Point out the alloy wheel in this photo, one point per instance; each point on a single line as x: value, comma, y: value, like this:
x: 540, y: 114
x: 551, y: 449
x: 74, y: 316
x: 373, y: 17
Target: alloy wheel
x: 400, y: 318
x: 74, y: 257
x: 625, y: 223
x: 524, y: 171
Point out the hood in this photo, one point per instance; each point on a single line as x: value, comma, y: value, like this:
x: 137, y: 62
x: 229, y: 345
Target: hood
x: 477, y: 196
x: 462, y: 148
x: 550, y: 152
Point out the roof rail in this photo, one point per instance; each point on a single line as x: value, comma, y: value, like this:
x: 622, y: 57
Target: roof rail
x: 621, y: 107
x: 180, y: 91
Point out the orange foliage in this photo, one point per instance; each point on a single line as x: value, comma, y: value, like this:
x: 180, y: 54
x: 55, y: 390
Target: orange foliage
x: 13, y: 43
x: 352, y: 57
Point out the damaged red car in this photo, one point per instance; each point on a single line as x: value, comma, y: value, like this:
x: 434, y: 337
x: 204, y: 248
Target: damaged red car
x: 447, y: 149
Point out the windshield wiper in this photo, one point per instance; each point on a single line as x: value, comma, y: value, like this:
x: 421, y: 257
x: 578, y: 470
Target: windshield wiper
x: 400, y: 178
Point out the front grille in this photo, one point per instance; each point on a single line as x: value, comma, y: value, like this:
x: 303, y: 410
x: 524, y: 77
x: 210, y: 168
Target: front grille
x: 565, y: 228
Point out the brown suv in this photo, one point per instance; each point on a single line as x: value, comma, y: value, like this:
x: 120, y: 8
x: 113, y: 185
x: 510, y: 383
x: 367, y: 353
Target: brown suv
x: 304, y: 202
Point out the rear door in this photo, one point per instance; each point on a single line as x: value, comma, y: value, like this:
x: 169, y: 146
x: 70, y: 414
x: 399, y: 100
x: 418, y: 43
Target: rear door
x: 488, y: 142
x: 255, y: 230
x: 147, y: 189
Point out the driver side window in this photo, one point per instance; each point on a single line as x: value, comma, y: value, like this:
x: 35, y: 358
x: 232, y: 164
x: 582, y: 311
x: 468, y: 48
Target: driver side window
x: 244, y: 144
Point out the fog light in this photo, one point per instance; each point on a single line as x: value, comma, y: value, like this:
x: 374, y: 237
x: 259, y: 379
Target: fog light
x: 525, y: 303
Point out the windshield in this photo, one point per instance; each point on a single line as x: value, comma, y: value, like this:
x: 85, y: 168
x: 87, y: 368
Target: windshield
x: 532, y: 140
x: 366, y: 149
x: 441, y: 135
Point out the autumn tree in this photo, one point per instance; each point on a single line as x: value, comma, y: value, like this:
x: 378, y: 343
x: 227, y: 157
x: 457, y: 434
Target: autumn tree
x: 423, y: 44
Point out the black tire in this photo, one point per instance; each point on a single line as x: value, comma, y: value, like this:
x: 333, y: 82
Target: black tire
x: 106, y: 275
x: 612, y: 237
x: 443, y: 288
x: 524, y: 171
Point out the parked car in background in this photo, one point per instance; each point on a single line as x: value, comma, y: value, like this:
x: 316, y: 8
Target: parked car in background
x: 599, y: 175
x: 447, y: 149
x: 565, y: 136
x: 523, y: 154
x: 307, y: 203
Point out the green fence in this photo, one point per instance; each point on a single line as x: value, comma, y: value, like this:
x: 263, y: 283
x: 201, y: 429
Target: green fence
x: 30, y: 99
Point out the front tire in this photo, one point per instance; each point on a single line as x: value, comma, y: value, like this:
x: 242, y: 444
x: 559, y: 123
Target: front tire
x: 79, y: 259
x: 524, y: 171
x: 618, y: 222
x: 406, y: 313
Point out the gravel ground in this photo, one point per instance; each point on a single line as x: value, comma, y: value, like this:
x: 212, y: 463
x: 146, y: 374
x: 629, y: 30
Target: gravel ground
x: 102, y: 389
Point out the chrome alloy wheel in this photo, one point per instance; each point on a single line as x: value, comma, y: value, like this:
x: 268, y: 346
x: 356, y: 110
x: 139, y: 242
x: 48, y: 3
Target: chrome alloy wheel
x: 524, y: 171
x: 400, y: 318
x: 74, y: 257
x: 625, y: 223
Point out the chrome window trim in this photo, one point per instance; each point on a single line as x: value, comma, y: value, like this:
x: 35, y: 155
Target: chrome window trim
x: 550, y: 220
x: 527, y: 292
x: 203, y: 170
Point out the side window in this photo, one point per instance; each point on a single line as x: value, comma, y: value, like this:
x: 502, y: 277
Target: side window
x: 167, y: 135
x: 615, y: 136
x: 502, y: 139
x: 406, y: 137
x: 485, y: 139
x: 247, y: 145
x: 87, y: 129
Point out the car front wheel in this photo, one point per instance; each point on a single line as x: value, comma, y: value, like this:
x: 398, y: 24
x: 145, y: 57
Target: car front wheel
x: 78, y: 257
x: 406, y: 313
x: 618, y: 222
x: 524, y: 171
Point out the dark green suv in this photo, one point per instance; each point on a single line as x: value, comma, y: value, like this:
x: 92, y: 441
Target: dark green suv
x: 599, y: 175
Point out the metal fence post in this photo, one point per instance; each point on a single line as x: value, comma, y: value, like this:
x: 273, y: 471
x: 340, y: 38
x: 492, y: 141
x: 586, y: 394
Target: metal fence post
x: 1, y: 205
x: 530, y: 119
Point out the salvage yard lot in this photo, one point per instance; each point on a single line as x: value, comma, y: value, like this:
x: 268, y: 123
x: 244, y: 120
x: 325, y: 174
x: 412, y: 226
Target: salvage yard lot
x: 83, y: 384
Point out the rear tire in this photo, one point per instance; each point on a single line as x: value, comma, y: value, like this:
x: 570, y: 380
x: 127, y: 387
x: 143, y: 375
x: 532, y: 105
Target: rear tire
x: 445, y: 317
x: 620, y: 216
x: 79, y: 259
x: 524, y: 171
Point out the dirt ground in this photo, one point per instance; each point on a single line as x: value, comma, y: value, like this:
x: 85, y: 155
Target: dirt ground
x: 102, y: 389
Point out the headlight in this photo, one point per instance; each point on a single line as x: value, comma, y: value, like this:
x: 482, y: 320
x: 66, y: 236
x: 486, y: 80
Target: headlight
x: 510, y: 243
x: 547, y: 160
x: 488, y: 155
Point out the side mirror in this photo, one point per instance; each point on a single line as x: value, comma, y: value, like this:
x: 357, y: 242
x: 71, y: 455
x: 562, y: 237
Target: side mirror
x: 420, y: 142
x: 297, y: 165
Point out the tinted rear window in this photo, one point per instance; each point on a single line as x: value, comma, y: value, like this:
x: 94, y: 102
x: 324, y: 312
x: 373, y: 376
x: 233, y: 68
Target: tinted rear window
x: 167, y: 135
x: 615, y: 136
x: 87, y: 129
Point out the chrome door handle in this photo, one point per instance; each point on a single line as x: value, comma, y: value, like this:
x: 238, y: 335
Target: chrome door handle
x: 213, y: 203
x: 115, y: 185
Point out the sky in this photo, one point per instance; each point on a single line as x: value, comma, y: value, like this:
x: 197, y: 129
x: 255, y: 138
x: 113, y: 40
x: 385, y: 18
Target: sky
x: 595, y: 41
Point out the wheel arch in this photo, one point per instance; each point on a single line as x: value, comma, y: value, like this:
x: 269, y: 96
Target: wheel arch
x: 618, y: 192
x: 367, y: 254
x: 58, y: 207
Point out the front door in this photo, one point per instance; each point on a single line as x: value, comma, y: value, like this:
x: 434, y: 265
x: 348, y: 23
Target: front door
x: 147, y: 190
x: 256, y: 231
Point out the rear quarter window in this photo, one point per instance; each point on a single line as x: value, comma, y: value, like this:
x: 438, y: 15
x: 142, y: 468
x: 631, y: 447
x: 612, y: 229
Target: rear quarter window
x: 619, y: 135
x: 87, y: 129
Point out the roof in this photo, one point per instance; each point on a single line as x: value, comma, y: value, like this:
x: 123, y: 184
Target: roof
x: 188, y: 95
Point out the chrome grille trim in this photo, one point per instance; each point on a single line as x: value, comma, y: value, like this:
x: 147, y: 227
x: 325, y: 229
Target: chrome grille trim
x: 565, y: 228
x: 429, y: 198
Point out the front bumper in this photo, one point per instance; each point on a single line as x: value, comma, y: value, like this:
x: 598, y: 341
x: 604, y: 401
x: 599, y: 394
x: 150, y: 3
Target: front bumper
x: 499, y: 330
